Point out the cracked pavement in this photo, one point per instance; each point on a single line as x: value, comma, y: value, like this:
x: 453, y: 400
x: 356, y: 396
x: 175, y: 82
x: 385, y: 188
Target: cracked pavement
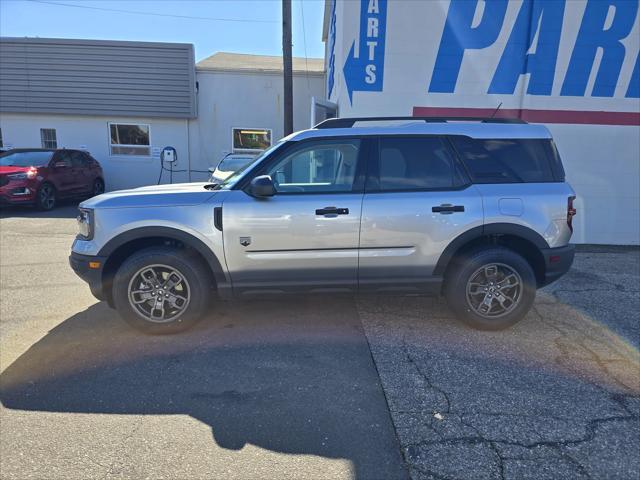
x: 557, y: 396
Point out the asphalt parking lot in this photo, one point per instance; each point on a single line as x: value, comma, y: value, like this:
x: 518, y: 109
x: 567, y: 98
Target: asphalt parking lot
x: 302, y: 388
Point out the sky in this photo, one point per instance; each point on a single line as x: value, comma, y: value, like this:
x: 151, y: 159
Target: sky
x: 241, y: 26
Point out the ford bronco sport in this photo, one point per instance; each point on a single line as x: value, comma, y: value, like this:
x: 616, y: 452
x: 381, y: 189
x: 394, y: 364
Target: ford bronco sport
x: 478, y: 210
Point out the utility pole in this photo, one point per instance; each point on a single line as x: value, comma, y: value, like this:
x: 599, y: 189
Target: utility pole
x: 288, y: 67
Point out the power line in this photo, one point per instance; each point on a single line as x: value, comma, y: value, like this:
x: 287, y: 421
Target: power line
x: 154, y: 14
x: 304, y: 42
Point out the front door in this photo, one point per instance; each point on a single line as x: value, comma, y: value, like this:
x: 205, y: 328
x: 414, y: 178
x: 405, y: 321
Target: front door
x: 418, y: 199
x: 305, y: 237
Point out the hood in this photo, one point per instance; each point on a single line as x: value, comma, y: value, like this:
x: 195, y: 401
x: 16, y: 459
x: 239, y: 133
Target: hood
x: 8, y: 170
x: 177, y: 194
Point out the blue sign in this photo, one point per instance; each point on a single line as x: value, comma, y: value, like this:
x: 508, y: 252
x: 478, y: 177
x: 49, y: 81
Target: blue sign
x: 541, y: 19
x: 365, y: 73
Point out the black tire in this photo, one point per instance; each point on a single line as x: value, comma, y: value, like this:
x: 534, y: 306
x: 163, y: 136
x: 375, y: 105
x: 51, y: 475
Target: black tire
x: 98, y: 187
x: 197, y: 289
x: 471, y: 265
x: 46, y: 198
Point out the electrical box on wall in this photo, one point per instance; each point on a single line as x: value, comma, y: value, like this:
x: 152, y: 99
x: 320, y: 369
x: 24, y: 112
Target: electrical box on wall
x: 169, y: 155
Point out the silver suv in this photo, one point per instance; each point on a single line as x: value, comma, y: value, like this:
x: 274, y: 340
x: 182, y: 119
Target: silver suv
x: 478, y: 210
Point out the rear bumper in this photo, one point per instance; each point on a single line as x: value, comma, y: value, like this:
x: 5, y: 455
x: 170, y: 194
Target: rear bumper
x: 93, y: 276
x: 557, y: 262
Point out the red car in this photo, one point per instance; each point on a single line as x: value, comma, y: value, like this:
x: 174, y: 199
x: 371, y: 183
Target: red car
x: 42, y: 176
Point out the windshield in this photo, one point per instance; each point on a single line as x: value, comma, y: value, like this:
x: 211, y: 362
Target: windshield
x: 232, y: 164
x: 25, y: 159
x: 236, y: 176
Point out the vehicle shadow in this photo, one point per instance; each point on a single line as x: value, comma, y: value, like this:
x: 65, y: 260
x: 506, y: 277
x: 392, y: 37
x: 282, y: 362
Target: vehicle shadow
x: 294, y: 377
x: 64, y: 209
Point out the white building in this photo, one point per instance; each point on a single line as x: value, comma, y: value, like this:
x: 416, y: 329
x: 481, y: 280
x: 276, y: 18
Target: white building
x: 572, y: 65
x: 125, y: 101
x: 244, y: 93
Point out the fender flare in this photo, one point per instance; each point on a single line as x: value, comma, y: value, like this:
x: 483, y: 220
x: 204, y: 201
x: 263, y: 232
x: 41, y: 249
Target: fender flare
x: 461, y: 240
x: 174, y: 234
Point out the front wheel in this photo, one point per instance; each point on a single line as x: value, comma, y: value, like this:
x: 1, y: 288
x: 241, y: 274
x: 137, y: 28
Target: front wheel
x: 491, y: 288
x: 46, y: 197
x: 161, y: 290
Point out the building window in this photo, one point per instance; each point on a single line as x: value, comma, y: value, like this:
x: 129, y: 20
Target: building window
x: 251, y: 139
x: 48, y: 138
x: 129, y: 139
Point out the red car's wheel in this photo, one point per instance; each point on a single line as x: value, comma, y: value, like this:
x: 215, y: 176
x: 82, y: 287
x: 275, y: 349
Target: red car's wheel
x: 46, y: 197
x: 98, y: 187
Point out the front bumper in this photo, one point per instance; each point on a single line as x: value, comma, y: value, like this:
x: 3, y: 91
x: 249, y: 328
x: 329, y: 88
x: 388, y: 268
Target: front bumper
x: 17, y: 192
x: 93, y: 276
x: 557, y: 262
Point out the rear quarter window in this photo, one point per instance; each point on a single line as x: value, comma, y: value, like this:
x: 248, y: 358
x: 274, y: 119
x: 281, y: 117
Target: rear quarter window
x: 508, y: 160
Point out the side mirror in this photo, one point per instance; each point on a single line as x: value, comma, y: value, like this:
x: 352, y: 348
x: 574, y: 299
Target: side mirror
x: 262, y: 186
x: 60, y: 164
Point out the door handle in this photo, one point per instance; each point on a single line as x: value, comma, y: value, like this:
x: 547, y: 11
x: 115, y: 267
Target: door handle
x: 447, y: 208
x: 332, y: 211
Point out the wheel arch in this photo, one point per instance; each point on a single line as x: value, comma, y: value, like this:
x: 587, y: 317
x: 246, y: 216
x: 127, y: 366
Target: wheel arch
x: 523, y: 240
x: 120, y: 247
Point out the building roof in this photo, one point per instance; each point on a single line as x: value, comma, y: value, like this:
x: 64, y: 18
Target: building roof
x: 226, y: 61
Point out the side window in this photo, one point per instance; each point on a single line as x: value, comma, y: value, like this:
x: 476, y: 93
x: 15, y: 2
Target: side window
x: 63, y: 157
x: 505, y: 160
x: 416, y: 163
x: 78, y: 160
x: 325, y: 166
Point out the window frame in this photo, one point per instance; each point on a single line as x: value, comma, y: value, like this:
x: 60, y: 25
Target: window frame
x: 372, y: 184
x: 250, y: 150
x: 290, y: 147
x: 128, y: 155
x: 43, y: 139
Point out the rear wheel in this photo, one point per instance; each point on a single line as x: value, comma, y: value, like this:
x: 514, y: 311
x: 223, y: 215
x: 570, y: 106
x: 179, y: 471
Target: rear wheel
x: 161, y: 290
x: 491, y: 288
x: 46, y: 197
x: 98, y: 187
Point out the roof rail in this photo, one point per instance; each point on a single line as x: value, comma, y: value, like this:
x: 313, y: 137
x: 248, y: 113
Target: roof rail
x: 349, y: 122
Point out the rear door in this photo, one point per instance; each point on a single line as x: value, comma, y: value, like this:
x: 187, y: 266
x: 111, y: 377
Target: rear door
x: 305, y: 237
x: 417, y: 200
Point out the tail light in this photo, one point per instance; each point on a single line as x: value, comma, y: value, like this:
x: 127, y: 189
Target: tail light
x: 571, y: 212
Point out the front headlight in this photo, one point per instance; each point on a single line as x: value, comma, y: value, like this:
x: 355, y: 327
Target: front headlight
x: 31, y: 173
x: 85, y: 224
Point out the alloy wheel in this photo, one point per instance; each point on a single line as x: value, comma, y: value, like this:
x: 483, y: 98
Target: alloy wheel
x: 494, y: 290
x: 47, y: 197
x: 159, y: 293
